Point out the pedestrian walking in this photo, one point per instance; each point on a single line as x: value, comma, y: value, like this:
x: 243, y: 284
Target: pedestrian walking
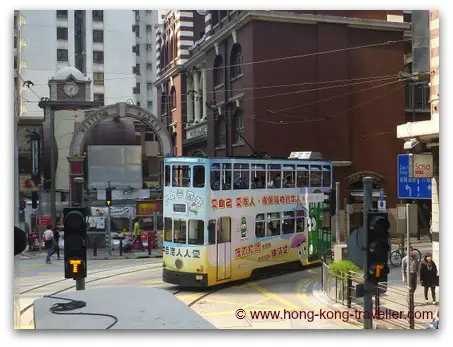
x: 428, y: 277
x: 414, y: 268
x: 56, y: 237
x: 48, y: 242
x: 137, y: 233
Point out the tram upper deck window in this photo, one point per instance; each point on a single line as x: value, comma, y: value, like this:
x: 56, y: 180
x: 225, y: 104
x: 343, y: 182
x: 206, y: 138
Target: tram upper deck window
x: 167, y: 175
x: 273, y: 224
x: 181, y: 176
x: 168, y: 228
x: 288, y: 176
x: 260, y: 226
x: 215, y: 176
x: 326, y: 177
x: 315, y: 176
x: 198, y: 176
x: 302, y: 178
x: 258, y: 176
x: 274, y: 176
x: 226, y: 176
x: 241, y: 176
x: 196, y: 232
x: 180, y: 233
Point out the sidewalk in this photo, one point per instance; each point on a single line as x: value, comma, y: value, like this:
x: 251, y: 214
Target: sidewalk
x: 389, y: 301
x: 102, y: 254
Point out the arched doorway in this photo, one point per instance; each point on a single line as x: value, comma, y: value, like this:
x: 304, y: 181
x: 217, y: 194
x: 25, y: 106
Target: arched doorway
x: 115, y: 111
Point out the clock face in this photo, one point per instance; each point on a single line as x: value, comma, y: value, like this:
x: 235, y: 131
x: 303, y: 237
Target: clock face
x: 71, y: 89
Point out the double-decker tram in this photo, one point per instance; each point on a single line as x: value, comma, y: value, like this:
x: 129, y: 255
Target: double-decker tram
x: 226, y: 218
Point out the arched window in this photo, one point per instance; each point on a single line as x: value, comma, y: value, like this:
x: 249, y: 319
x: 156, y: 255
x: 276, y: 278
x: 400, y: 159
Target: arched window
x: 238, y: 120
x: 236, y: 60
x: 172, y: 98
x: 162, y: 56
x: 163, y: 104
x: 170, y: 53
x: 218, y: 70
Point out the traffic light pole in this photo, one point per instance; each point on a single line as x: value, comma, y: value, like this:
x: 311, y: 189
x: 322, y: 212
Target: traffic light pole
x: 79, y: 190
x: 109, y: 234
x: 337, y: 211
x: 368, y: 287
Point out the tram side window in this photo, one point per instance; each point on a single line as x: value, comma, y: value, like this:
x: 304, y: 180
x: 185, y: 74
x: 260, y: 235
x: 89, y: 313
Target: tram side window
x: 241, y: 176
x: 258, y: 176
x: 288, y: 176
x: 300, y: 221
x: 167, y: 175
x: 226, y: 176
x: 288, y: 222
x: 198, y: 176
x: 326, y: 177
x: 302, y: 178
x: 168, y: 229
x: 196, y: 232
x: 260, y: 226
x: 215, y: 176
x: 181, y: 176
x: 211, y: 232
x: 274, y: 176
x: 180, y: 231
x: 273, y: 224
x: 315, y: 176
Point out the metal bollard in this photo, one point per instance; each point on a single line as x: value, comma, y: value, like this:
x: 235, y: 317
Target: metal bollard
x: 348, y: 290
x: 377, y: 304
x: 411, y: 310
x: 121, y: 247
x: 95, y: 248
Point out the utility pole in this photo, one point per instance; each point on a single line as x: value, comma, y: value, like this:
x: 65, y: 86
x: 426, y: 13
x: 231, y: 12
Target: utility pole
x: 53, y: 210
x: 337, y: 211
x: 368, y: 287
x: 79, y: 197
x: 108, y: 233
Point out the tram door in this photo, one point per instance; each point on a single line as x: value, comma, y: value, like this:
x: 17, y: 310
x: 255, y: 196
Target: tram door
x: 223, y: 242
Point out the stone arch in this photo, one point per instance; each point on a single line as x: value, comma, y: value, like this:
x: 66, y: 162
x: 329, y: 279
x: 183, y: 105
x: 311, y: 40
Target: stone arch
x: 121, y: 110
x: 199, y: 153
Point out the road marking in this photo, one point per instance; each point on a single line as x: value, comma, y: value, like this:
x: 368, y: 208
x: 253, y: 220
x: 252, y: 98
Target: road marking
x: 305, y: 300
x: 272, y: 295
x: 256, y: 303
x: 190, y: 296
x: 148, y: 282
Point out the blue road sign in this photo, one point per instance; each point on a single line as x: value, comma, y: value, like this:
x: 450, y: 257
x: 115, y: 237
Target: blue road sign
x: 411, y: 188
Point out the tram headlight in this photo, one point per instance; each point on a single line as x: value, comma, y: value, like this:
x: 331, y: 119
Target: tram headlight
x: 199, y: 277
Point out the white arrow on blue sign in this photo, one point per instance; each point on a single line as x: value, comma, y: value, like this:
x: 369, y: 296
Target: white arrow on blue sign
x: 411, y: 188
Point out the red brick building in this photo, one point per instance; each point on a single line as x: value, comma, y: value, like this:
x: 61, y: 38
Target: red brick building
x: 282, y: 81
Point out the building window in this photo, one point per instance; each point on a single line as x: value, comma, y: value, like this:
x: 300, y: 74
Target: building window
x: 214, y: 17
x: 138, y: 103
x: 238, y: 120
x: 218, y: 70
x: 98, y: 78
x: 62, y: 14
x: 149, y: 66
x: 136, y: 89
x: 15, y: 62
x: 62, y: 33
x: 136, y: 49
x: 149, y: 47
x: 150, y: 104
x: 62, y: 55
x: 149, y: 85
x: 15, y: 41
x: 136, y: 69
x: 99, y: 98
x: 172, y: 98
x: 136, y: 30
x: 236, y: 60
x: 220, y: 132
x: 98, y: 16
x: 98, y: 36
x: 223, y: 14
x: 148, y: 28
x: 163, y: 104
x: 98, y: 57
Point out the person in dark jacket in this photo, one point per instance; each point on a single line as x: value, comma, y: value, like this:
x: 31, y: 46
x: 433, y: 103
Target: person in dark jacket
x: 428, y: 277
x: 56, y: 236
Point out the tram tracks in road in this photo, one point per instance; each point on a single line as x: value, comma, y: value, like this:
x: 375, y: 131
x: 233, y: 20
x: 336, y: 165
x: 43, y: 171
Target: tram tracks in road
x: 146, y: 268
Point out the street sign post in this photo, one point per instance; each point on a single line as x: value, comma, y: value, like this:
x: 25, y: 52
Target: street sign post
x: 411, y: 188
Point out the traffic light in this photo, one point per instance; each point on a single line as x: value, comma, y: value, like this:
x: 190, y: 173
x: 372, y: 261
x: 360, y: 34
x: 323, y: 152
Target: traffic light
x: 331, y: 202
x: 108, y: 196
x: 75, y: 242
x: 34, y: 199
x: 378, y: 246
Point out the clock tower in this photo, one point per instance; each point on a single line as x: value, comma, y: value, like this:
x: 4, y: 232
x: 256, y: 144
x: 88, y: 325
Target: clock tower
x: 69, y: 84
